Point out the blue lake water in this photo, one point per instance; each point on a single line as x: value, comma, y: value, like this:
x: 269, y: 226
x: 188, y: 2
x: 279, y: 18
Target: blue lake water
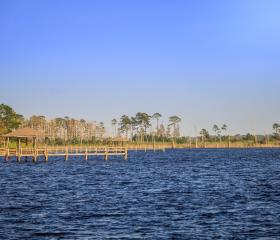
x: 179, y: 194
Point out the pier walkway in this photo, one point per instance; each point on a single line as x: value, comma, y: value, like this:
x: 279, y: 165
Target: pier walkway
x: 67, y: 151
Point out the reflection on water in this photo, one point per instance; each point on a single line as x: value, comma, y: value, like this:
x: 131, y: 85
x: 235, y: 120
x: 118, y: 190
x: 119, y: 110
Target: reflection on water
x: 180, y: 194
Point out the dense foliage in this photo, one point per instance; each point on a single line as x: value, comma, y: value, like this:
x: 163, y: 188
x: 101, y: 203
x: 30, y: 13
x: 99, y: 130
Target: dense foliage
x: 139, y: 128
x: 67, y: 130
x: 9, y: 119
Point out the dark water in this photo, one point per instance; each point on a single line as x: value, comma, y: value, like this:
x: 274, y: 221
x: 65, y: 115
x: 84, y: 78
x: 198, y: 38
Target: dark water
x: 181, y: 194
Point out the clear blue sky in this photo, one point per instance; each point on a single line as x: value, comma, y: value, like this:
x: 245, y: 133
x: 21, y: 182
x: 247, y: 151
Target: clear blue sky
x: 206, y: 61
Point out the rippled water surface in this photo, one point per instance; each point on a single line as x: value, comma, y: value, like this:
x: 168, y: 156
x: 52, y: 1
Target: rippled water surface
x: 179, y: 194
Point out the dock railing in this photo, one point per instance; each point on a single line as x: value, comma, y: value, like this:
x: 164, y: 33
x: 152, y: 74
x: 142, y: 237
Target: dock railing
x: 66, y: 151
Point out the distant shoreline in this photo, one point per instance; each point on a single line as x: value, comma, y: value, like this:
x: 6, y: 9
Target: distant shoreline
x: 156, y: 146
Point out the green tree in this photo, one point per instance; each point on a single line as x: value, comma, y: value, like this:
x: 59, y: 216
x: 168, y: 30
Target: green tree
x: 157, y: 116
x: 248, y: 137
x: 217, y: 131
x: 224, y: 127
x: 9, y: 119
x: 125, y: 124
x: 134, y: 126
x: 100, y: 131
x: 276, y: 129
x: 204, y: 135
x: 2, y: 127
x: 144, y: 122
x: 174, y: 121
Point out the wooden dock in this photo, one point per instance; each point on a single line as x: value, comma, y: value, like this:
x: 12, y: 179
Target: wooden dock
x: 65, y: 152
x: 68, y: 151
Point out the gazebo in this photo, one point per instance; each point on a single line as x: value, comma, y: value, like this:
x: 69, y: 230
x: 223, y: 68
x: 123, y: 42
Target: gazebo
x: 24, y: 133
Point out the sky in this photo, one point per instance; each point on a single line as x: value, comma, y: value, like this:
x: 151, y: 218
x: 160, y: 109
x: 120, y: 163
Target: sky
x: 209, y: 62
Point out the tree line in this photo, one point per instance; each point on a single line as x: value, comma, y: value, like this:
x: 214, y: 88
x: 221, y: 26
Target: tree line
x: 142, y: 127
x: 59, y: 130
x: 220, y: 134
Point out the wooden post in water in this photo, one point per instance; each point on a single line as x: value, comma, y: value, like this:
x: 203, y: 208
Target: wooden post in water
x: 26, y: 145
x: 106, y: 154
x: 66, y: 153
x: 34, y: 150
x: 125, y: 153
x: 19, y: 151
x: 46, y: 154
x: 35, y: 157
x: 19, y: 156
x: 86, y: 154
x: 7, y: 154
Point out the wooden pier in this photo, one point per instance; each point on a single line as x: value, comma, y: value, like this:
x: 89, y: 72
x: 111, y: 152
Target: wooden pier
x: 68, y: 151
x: 64, y: 151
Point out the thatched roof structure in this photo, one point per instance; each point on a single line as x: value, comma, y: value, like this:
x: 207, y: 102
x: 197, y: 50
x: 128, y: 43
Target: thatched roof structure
x: 25, y: 133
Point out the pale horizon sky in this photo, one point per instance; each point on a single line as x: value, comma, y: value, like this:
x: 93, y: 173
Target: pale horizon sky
x: 208, y: 62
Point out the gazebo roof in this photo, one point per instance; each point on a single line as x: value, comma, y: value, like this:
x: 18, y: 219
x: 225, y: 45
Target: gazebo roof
x: 25, y: 133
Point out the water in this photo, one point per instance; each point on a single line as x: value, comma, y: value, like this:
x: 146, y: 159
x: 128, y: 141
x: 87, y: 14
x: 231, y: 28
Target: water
x: 180, y: 194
